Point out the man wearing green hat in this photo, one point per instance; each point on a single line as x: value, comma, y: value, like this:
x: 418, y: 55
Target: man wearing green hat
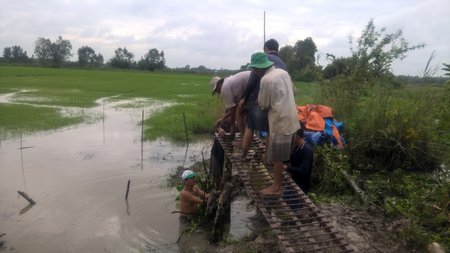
x: 256, y: 120
x: 276, y: 95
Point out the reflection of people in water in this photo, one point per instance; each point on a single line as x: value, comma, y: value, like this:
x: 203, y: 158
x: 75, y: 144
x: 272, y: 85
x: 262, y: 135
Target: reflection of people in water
x: 191, y: 196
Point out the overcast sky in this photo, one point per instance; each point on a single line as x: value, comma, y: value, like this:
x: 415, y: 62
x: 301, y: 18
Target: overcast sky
x: 224, y: 33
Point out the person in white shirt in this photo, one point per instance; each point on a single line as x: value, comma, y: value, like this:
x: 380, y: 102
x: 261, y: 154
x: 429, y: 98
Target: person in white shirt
x: 231, y: 89
x: 276, y: 95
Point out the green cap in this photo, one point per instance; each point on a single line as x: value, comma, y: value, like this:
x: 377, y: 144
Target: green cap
x: 188, y: 174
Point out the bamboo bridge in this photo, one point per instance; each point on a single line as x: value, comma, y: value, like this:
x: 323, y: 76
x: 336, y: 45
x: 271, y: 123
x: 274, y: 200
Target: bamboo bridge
x: 297, y: 222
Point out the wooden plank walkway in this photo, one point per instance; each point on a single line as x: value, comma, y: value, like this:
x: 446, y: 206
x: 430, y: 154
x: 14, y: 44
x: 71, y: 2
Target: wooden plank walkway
x: 297, y: 222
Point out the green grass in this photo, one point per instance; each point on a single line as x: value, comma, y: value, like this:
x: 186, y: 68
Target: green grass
x: 13, y: 121
x: 307, y: 93
x: 81, y: 88
x: 75, y: 87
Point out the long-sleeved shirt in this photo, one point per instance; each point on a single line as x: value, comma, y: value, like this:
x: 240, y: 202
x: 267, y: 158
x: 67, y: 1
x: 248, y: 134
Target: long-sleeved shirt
x: 301, y: 165
x: 252, y: 89
x: 276, y: 95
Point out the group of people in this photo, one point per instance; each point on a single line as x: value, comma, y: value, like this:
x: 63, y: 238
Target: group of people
x: 264, y: 97
x: 263, y: 100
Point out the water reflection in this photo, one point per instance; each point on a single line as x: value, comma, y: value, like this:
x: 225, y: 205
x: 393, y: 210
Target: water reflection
x: 127, y: 207
x: 25, y: 209
x: 21, y: 164
x: 103, y: 119
x: 78, y: 177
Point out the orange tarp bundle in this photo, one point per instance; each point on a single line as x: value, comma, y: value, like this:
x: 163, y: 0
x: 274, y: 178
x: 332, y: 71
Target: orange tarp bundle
x: 312, y: 117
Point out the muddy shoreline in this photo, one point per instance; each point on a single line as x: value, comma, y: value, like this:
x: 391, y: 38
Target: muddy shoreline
x: 366, y: 230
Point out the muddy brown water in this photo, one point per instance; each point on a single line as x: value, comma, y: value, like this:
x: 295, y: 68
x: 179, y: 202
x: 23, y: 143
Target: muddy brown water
x: 78, y: 178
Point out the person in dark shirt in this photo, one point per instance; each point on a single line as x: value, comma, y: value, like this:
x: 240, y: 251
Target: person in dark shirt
x: 223, y: 126
x: 300, y: 164
x: 271, y: 50
x: 256, y: 119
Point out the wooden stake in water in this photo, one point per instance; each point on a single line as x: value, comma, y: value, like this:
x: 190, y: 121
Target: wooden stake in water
x: 142, y: 127
x: 187, y: 139
x: 128, y: 189
x: 103, y: 120
x: 185, y: 129
x: 25, y: 196
x: 142, y: 142
x: 21, y: 162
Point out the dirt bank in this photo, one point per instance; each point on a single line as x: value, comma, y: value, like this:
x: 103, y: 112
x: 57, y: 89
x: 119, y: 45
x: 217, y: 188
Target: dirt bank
x: 365, y: 230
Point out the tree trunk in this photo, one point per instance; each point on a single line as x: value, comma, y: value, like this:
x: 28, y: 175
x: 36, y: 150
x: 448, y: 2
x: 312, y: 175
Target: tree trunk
x: 361, y: 194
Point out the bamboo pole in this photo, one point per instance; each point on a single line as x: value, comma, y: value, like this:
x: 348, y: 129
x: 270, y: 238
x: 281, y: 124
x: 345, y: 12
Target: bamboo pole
x: 142, y: 142
x: 185, y: 129
x: 142, y: 128
x: 187, y: 139
x: 103, y: 119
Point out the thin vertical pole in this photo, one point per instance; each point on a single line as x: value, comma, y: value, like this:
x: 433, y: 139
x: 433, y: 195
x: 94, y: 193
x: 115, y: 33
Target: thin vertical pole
x: 187, y: 139
x: 142, y: 127
x: 128, y: 189
x: 185, y: 129
x: 21, y: 162
x: 264, y: 38
x: 103, y: 120
x: 142, y: 142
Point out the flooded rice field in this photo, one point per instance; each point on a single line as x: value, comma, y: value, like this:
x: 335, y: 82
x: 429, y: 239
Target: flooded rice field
x: 78, y: 177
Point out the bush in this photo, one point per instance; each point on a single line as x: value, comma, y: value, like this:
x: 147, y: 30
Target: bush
x: 390, y: 132
x: 328, y: 164
x: 341, y: 93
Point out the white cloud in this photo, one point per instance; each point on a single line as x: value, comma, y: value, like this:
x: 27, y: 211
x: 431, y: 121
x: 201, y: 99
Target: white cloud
x: 220, y: 33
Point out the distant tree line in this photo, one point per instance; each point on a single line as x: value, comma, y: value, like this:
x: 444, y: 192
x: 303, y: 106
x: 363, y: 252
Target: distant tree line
x: 15, y: 54
x: 300, y: 59
x: 50, y: 53
x: 56, y: 54
x: 374, y: 56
